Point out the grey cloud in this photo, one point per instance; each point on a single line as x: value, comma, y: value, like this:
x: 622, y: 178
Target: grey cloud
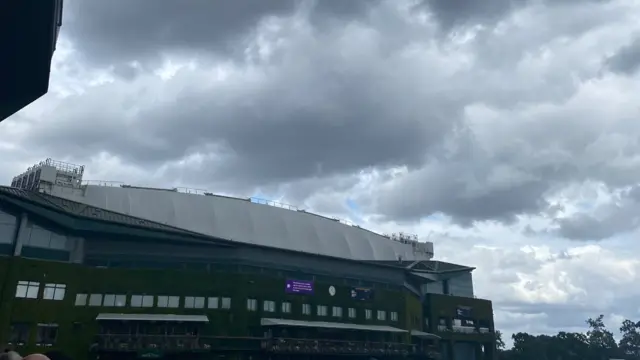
x: 121, y: 31
x: 297, y: 118
x: 627, y: 59
x: 367, y: 96
x: 454, y: 13
x: 606, y: 221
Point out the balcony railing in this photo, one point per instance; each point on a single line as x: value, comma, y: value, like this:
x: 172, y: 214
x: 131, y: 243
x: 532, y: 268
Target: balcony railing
x: 176, y: 343
x: 185, y: 343
x: 464, y: 329
x: 342, y: 347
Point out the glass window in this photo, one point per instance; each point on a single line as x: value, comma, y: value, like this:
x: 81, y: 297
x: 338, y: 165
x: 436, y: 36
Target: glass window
x: 226, y: 303
x: 213, y: 302
x: 47, y: 334
x: 168, y: 301
x: 54, y: 291
x: 252, y: 304
x: 7, y: 232
x: 382, y: 315
x: 81, y: 299
x: 286, y: 307
x: 306, y: 309
x: 163, y: 301
x: 95, y: 300
x: 147, y: 301
x: 136, y: 300
x: 121, y: 300
x: 336, y: 311
x: 322, y: 310
x: 394, y: 316
x: 27, y: 289
x: 109, y: 300
x: 19, y: 334
x: 194, y: 302
x: 367, y: 314
x: 269, y: 306
x: 352, y: 313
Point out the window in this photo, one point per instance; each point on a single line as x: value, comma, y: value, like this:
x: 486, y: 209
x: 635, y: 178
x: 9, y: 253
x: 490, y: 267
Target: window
x: 394, y: 316
x: 352, y: 313
x: 226, y: 303
x: 168, y: 301
x: 27, y: 289
x: 194, y: 302
x: 336, y: 311
x: 367, y: 314
x: 147, y: 301
x: 322, y: 310
x: 252, y: 304
x: 306, y: 309
x: 54, y: 291
x: 19, y: 334
x: 286, y: 307
x: 269, y: 306
x: 114, y: 300
x: 47, y: 334
x: 7, y: 227
x: 213, y: 302
x: 81, y: 299
x: 382, y: 315
x: 95, y: 300
x: 142, y: 301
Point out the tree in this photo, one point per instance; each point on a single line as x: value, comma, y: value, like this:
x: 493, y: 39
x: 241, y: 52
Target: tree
x: 500, y: 345
x: 596, y: 344
x: 601, y: 342
x: 630, y: 341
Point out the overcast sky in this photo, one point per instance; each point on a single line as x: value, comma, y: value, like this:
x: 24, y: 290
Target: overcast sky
x: 508, y: 132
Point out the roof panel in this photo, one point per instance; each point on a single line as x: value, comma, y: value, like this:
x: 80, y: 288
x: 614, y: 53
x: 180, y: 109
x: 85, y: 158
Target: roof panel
x: 244, y: 221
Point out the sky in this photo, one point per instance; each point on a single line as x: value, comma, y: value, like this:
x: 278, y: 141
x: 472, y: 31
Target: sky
x: 505, y: 131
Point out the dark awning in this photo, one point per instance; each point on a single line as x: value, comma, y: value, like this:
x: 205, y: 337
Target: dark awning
x: 153, y: 317
x: 329, y: 325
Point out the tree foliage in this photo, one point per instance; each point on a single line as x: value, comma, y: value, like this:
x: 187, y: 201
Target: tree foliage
x: 598, y: 343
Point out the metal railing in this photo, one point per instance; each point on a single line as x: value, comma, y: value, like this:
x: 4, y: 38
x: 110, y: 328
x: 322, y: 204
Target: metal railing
x: 342, y: 347
x: 190, y: 343
x: 175, y: 343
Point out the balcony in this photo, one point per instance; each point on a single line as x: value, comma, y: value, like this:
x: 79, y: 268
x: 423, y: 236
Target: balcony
x: 341, y: 347
x: 187, y: 343
x: 175, y: 343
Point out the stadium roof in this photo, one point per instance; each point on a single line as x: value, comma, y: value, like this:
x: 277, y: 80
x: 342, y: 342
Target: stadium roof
x: 429, y: 266
x: 241, y: 220
x: 87, y: 211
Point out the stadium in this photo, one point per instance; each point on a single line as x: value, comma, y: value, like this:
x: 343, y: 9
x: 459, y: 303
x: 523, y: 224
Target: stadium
x: 116, y: 271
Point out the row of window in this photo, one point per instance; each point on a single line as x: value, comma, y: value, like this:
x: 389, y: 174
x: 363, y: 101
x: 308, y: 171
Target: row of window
x: 31, y: 289
x: 52, y: 291
x: 213, y: 302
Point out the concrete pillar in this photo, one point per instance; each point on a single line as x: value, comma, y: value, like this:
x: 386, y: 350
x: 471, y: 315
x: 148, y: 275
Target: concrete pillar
x: 22, y: 236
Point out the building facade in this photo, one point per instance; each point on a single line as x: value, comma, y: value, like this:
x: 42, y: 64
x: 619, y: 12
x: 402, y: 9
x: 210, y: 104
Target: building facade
x: 89, y: 283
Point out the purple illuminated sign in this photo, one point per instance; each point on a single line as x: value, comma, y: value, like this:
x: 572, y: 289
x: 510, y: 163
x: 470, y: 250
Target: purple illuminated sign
x: 299, y: 287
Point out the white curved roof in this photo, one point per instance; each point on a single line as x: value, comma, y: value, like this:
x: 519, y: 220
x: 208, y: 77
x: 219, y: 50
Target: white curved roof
x: 245, y: 221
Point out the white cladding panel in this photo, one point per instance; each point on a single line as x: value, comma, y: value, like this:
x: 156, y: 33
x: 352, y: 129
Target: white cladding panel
x: 244, y: 221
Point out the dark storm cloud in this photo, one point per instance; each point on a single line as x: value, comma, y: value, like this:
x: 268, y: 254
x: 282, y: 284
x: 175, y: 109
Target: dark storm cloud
x: 327, y: 101
x: 114, y: 31
x: 627, y: 59
x: 453, y: 13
